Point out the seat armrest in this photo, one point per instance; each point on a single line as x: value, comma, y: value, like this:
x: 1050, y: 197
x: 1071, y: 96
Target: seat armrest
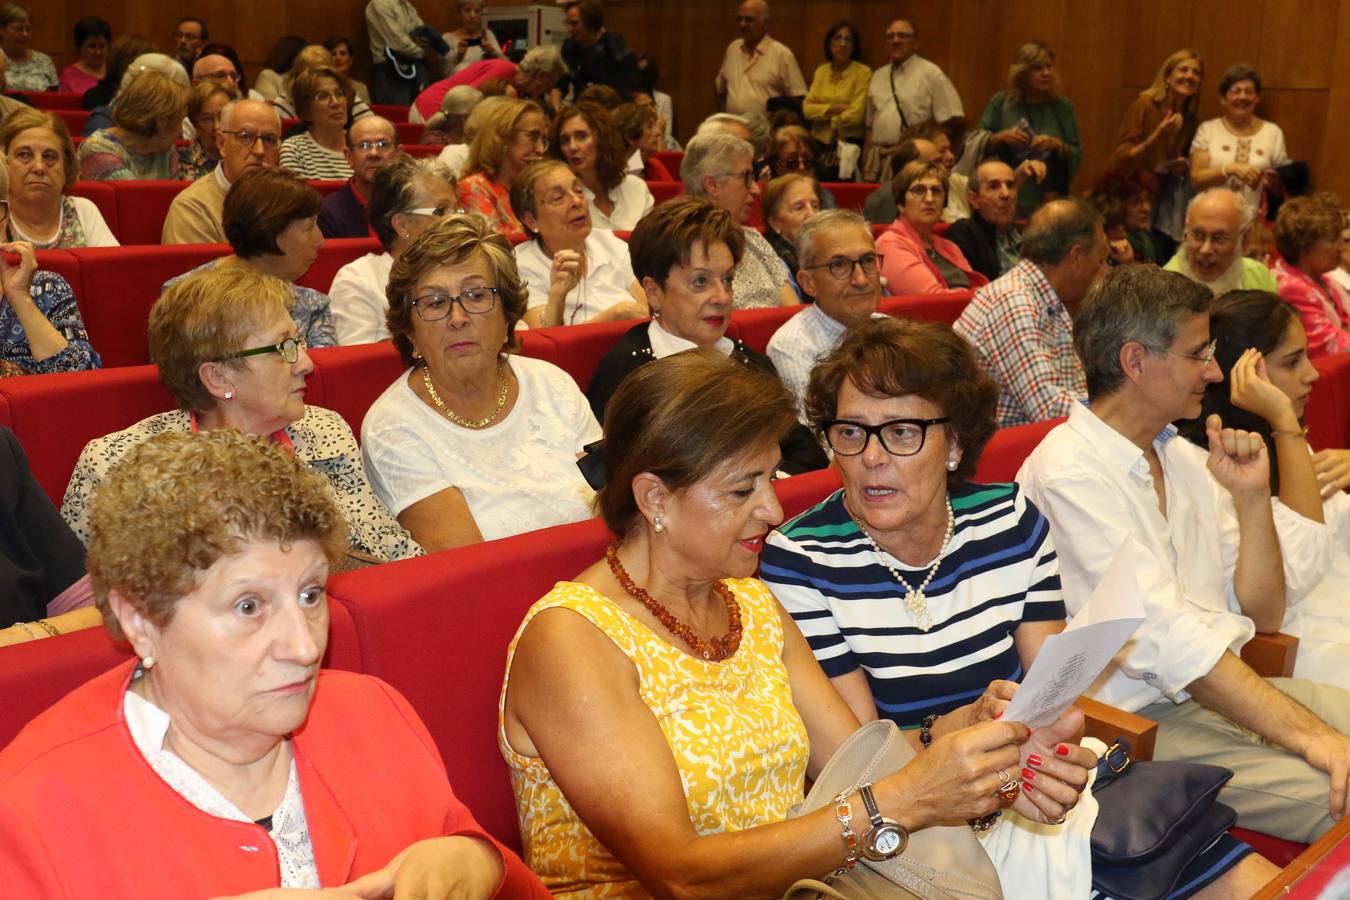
x: 1107, y: 723
x: 1271, y: 655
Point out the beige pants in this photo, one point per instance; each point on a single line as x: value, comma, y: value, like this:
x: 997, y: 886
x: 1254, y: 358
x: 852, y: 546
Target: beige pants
x: 1274, y: 791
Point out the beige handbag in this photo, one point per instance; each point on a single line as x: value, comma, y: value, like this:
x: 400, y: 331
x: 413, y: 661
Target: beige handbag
x: 941, y: 863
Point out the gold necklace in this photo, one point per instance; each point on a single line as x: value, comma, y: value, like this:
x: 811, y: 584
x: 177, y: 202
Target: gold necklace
x: 456, y: 417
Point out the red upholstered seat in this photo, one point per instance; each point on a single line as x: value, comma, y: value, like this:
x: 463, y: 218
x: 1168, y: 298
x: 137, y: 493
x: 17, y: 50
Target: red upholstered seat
x: 801, y: 492
x: 581, y: 347
x: 120, y: 286
x: 74, y: 119
x: 52, y: 100
x: 664, y: 190
x: 67, y: 265
x: 756, y: 326
x: 849, y: 194
x: 347, y: 380
x: 327, y: 186
x: 1009, y: 448
x: 1328, y: 413
x: 409, y: 132
x: 420, y: 151
x: 104, y: 196
x: 671, y: 159
x: 944, y: 307
x: 54, y: 416
x: 394, y: 114
x: 142, y: 207
x: 334, y: 254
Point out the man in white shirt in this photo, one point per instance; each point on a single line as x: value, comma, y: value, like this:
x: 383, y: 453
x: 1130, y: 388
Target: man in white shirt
x: 904, y: 93
x: 755, y: 67
x: 826, y: 243
x: 250, y: 136
x: 1208, y: 560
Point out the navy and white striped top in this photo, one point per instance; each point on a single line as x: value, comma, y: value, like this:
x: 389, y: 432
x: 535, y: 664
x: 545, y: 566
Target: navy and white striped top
x: 999, y: 571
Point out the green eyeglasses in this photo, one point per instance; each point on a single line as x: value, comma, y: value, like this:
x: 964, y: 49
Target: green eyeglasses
x: 289, y: 349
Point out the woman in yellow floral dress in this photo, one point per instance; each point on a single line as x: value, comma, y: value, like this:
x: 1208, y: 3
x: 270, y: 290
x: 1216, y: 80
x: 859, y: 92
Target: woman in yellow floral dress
x: 661, y: 711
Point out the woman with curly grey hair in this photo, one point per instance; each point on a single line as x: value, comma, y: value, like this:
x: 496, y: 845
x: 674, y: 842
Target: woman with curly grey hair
x: 472, y: 443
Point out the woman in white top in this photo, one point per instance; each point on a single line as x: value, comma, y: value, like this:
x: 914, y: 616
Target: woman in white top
x: 1268, y: 378
x: 408, y: 197
x: 41, y: 164
x: 470, y: 42
x: 472, y: 443
x: 572, y: 271
x: 324, y: 100
x: 592, y: 147
x: 1239, y: 149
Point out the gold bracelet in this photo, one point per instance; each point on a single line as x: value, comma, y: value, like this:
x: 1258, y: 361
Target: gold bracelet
x: 52, y: 630
x: 1302, y: 433
x: 26, y: 630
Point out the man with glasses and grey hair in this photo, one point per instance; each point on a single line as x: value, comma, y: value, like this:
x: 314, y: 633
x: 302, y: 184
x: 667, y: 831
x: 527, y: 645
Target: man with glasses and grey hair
x: 1208, y: 556
x: 1217, y: 223
x: 372, y: 142
x: 249, y: 134
x: 840, y: 269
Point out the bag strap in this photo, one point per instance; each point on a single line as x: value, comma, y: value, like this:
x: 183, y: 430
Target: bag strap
x: 1113, y: 763
x: 811, y: 889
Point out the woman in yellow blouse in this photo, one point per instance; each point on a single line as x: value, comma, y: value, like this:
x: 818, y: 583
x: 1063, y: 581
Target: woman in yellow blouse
x: 834, y: 106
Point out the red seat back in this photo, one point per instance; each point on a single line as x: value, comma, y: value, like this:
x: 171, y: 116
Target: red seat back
x: 66, y: 264
x: 333, y: 255
x: 671, y: 159
x: 420, y: 151
x: 104, y: 196
x: 801, y: 492
x: 665, y: 190
x: 142, y: 207
x: 327, y: 186
x: 394, y: 114
x: 1009, y: 448
x: 347, y: 380
x: 1328, y: 413
x: 74, y: 119
x: 849, y: 194
x: 756, y: 326
x: 52, y: 100
x: 581, y: 347
x: 943, y: 307
x: 409, y: 132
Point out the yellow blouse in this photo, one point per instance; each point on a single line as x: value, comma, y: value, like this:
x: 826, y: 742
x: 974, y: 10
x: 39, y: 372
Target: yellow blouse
x: 738, y: 741
x: 826, y: 91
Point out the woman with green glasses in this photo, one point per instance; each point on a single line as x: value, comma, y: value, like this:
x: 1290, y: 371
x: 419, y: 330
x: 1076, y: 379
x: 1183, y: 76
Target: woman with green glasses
x: 230, y: 354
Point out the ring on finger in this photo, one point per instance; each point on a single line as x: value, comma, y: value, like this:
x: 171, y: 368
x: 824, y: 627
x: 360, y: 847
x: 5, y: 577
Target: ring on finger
x: 1008, y: 789
x: 1060, y: 820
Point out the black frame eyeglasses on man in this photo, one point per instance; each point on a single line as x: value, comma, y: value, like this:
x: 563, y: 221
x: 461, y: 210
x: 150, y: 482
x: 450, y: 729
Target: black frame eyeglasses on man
x: 841, y: 267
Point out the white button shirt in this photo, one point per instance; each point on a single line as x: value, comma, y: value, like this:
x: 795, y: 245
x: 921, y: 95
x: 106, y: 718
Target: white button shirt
x: 1094, y: 487
x: 922, y: 90
x: 609, y: 276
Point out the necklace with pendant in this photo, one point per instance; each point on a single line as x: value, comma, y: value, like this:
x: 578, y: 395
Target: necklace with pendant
x: 915, y: 600
x: 456, y: 417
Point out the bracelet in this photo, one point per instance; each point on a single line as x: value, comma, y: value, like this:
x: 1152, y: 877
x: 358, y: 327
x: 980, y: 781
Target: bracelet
x: 26, y: 630
x: 843, y: 811
x: 926, y: 730
x: 984, y: 823
x: 1301, y: 433
x: 52, y: 630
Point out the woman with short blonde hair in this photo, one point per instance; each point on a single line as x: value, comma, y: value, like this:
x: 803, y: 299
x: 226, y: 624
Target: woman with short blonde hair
x: 147, y: 117
x: 510, y: 136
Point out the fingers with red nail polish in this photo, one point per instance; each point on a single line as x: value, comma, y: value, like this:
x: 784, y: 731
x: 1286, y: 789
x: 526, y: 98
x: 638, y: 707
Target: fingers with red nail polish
x: 1028, y: 775
x: 1027, y: 786
x: 1062, y: 750
x: 1034, y: 760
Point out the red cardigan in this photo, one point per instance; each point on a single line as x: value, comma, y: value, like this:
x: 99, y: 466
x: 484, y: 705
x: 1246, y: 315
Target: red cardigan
x: 83, y: 814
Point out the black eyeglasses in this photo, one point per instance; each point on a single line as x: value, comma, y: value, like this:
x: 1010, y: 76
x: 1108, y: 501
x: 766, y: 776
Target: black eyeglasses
x: 899, y: 437
x: 841, y: 267
x: 249, y: 138
x: 289, y: 349
x: 746, y: 177
x: 435, y: 306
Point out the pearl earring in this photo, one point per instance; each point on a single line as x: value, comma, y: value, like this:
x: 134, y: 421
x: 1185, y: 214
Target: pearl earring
x: 657, y: 525
x: 229, y: 395
x: 147, y: 662
x: 952, y: 464
x: 656, y: 312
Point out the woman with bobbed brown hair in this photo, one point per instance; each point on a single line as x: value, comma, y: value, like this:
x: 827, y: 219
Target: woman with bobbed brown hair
x: 147, y: 119
x: 1309, y: 236
x: 323, y: 101
x: 230, y: 355
x: 672, y: 649
x: 584, y: 137
x: 209, y: 553
x: 40, y: 167
x: 918, y: 260
x: 271, y: 221
x: 205, y: 101
x: 472, y: 442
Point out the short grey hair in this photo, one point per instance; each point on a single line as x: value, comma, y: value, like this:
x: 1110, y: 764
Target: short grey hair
x: 1057, y: 228
x: 227, y: 112
x: 713, y: 124
x: 711, y: 154
x: 395, y: 191
x: 1132, y: 303
x: 826, y: 220
x: 974, y: 184
x: 155, y: 62
x: 1246, y: 211
x: 545, y: 59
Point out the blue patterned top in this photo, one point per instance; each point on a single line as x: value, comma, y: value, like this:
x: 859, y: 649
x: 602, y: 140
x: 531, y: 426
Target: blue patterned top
x: 309, y: 308
x: 56, y: 301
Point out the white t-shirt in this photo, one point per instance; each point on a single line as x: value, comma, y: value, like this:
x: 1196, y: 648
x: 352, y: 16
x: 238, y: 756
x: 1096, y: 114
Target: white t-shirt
x: 96, y: 231
x: 518, y: 474
x: 609, y: 275
x: 632, y: 201
x: 358, y: 301
x: 1263, y: 150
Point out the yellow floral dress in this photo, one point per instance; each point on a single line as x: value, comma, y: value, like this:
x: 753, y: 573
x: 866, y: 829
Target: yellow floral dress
x: 738, y: 741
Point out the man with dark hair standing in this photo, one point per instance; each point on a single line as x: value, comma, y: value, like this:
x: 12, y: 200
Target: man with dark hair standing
x: 594, y: 54
x: 188, y: 36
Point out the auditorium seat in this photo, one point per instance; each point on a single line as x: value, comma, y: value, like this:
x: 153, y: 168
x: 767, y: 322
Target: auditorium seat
x: 67, y: 265
x: 333, y: 255
x: 756, y: 326
x: 50, y: 100
x: 671, y: 159
x: 394, y: 114
x: 347, y: 380
x: 581, y: 347
x: 849, y: 194
x: 664, y: 190
x: 1009, y: 448
x: 74, y: 119
x: 943, y: 307
x: 104, y: 196
x: 1328, y: 413
x: 409, y: 132
x: 422, y: 151
x: 142, y: 207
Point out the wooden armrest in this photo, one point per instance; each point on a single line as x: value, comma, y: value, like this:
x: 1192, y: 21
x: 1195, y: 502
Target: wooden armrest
x: 1107, y: 723
x: 1271, y: 655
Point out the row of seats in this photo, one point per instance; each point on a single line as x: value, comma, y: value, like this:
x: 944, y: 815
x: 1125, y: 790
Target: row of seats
x: 55, y: 100
x: 54, y: 416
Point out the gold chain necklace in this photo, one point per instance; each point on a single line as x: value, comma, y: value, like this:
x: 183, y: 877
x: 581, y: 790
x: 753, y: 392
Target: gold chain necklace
x: 456, y: 417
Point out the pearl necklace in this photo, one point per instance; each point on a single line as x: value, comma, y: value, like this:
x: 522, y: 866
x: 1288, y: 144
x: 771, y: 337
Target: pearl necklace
x: 456, y: 417
x: 914, y: 597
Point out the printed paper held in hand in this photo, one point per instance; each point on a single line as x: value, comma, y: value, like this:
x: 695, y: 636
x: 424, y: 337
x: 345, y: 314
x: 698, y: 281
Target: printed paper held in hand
x: 1070, y: 661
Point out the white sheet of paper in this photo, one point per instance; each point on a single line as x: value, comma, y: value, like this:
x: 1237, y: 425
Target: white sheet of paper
x: 1070, y: 661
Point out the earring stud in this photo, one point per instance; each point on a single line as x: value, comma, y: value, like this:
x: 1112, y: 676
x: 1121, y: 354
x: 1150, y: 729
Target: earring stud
x: 147, y: 662
x: 229, y: 395
x: 952, y: 464
x: 657, y: 525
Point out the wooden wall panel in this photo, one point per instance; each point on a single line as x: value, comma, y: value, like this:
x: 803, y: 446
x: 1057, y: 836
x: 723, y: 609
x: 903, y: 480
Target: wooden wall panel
x: 1106, y: 52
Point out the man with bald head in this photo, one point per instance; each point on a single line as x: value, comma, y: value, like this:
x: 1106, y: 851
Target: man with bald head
x: 249, y: 133
x: 372, y: 142
x: 1211, y: 252
x: 756, y: 68
x: 1021, y: 325
x: 989, y: 238
x: 217, y: 68
x: 907, y: 91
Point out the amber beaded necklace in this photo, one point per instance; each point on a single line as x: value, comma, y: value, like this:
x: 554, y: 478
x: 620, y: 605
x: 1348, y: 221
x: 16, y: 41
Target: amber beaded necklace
x: 713, y: 650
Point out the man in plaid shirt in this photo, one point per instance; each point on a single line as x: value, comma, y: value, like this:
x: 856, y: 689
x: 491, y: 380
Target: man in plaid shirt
x: 1021, y: 325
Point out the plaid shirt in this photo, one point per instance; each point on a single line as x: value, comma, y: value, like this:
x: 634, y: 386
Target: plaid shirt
x: 1023, y: 337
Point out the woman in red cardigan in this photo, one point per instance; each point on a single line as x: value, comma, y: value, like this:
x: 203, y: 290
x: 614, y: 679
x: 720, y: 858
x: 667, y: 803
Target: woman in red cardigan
x: 223, y: 761
x: 916, y: 260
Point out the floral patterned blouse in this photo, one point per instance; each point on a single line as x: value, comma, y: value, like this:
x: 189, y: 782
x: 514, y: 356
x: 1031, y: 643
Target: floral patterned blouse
x: 320, y: 437
x: 104, y: 158
x: 760, y: 275
x: 56, y: 301
x: 193, y: 162
x: 491, y: 199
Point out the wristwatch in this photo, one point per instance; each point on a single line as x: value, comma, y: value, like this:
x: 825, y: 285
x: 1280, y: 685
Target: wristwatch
x: 886, y: 838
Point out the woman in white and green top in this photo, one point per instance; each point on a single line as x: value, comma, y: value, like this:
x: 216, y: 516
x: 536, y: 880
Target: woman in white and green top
x: 323, y: 98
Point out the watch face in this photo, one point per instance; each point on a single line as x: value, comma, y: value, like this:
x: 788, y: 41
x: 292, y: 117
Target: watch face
x: 888, y: 841
x: 885, y: 841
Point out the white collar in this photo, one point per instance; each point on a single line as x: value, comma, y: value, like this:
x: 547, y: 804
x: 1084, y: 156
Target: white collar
x: 219, y: 172
x: 665, y: 344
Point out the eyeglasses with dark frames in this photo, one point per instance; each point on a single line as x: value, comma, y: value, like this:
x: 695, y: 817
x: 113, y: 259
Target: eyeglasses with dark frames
x: 249, y: 138
x: 435, y: 306
x: 1205, y: 356
x: 289, y: 348
x: 747, y: 177
x: 841, y: 267
x: 898, y: 437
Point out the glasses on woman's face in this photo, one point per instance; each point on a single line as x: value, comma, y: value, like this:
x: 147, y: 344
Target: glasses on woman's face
x: 289, y: 349
x: 537, y: 138
x: 746, y: 177
x: 898, y: 437
x: 330, y: 96
x: 436, y: 305
x: 919, y: 191
x: 798, y: 162
x: 841, y: 267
